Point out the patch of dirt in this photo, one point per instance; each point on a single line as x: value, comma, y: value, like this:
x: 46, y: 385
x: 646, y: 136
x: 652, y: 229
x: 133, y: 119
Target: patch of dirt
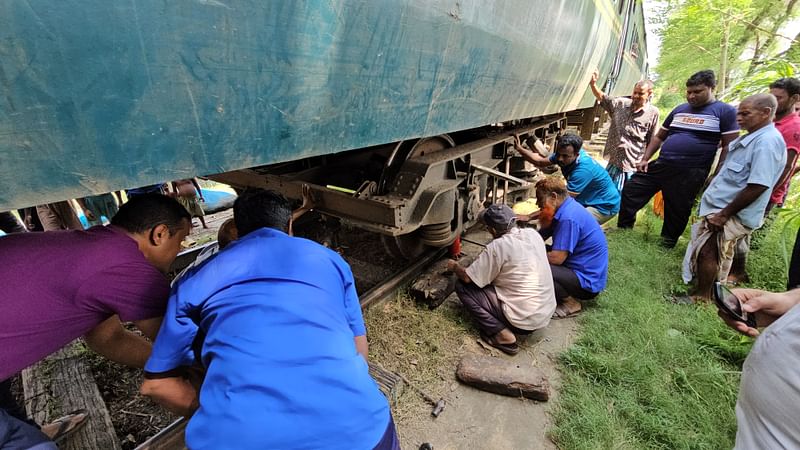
x: 364, y: 251
x: 135, y: 417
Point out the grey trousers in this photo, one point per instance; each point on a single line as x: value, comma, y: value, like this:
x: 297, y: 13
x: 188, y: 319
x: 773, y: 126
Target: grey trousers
x: 485, y: 308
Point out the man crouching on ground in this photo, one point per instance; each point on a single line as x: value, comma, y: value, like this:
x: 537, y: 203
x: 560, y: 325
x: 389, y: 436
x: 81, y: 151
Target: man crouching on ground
x: 283, y: 343
x: 508, y: 289
x: 579, y: 254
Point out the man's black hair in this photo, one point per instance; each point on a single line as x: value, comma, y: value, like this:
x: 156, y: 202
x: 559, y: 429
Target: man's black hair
x: 790, y: 85
x: 572, y: 140
x: 259, y: 208
x: 144, y: 212
x: 705, y: 77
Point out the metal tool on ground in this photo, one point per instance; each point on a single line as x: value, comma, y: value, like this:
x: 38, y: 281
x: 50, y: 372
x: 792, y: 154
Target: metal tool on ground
x: 438, y: 405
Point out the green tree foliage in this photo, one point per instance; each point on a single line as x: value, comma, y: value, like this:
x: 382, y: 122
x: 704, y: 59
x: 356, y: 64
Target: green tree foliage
x: 738, y: 39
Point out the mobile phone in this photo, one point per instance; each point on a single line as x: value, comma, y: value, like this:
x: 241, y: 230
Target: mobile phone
x: 728, y: 302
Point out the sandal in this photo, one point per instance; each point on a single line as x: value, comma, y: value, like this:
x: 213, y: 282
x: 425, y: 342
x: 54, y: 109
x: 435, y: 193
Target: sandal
x: 562, y: 312
x: 508, y: 349
x: 67, y: 425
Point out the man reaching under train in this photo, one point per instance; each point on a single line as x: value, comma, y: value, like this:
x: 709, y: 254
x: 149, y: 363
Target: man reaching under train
x: 283, y: 344
x: 508, y: 289
x: 63, y: 285
x: 587, y: 181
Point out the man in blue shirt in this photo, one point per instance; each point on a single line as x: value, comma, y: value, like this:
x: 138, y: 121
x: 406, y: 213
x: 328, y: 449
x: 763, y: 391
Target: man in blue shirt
x: 690, y: 135
x: 579, y: 254
x: 735, y: 201
x: 587, y: 181
x: 283, y: 344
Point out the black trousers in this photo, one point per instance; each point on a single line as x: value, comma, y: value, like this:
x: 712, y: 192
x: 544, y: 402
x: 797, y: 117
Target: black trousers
x: 484, y: 306
x: 794, y: 265
x: 10, y: 224
x: 679, y: 185
x: 10, y: 405
x: 567, y: 284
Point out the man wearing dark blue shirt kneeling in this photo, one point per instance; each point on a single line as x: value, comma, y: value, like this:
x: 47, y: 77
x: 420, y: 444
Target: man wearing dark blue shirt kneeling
x: 579, y: 254
x: 283, y: 344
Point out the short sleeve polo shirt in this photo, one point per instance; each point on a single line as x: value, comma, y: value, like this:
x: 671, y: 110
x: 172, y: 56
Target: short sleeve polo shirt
x: 279, y: 315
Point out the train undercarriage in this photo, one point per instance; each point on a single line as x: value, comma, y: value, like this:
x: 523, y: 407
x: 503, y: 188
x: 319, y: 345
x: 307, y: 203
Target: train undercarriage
x: 416, y: 194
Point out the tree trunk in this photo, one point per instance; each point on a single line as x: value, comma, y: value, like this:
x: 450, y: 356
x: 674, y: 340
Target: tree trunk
x: 769, y: 40
x: 723, y: 59
x: 62, y: 383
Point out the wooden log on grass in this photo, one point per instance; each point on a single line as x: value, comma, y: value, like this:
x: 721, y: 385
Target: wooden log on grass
x: 62, y: 383
x: 504, y: 377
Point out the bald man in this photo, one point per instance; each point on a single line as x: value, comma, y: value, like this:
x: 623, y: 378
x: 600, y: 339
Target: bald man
x: 734, y: 203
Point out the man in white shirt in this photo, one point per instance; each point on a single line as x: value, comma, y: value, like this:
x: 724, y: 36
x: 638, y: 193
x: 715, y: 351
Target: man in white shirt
x: 769, y: 393
x: 508, y: 289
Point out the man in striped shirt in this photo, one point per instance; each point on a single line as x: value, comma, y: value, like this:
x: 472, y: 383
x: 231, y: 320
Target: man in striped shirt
x: 690, y: 135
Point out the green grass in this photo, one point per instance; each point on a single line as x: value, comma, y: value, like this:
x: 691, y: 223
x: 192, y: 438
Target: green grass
x: 647, y: 373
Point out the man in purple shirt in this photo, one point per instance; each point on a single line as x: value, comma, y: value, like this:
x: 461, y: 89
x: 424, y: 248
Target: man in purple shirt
x: 690, y: 135
x: 68, y: 284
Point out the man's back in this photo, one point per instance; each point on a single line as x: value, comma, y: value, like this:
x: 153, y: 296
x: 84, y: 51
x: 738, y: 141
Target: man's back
x: 279, y: 315
x: 769, y: 393
x: 59, y: 285
x: 577, y: 232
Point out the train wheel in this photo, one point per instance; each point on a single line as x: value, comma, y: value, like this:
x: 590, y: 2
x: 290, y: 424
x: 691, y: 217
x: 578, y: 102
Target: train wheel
x: 410, y: 246
x: 409, y: 150
x: 406, y: 246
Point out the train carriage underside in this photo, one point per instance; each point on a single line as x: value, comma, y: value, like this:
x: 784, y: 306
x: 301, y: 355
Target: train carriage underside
x: 398, y: 114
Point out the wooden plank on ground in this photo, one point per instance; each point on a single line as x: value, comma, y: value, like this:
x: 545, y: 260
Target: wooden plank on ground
x: 504, y: 377
x: 62, y: 383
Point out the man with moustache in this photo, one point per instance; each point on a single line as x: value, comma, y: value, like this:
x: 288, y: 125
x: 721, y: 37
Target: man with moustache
x: 634, y: 121
x: 68, y: 284
x: 587, y: 181
x: 579, y: 255
x: 734, y: 203
x: 690, y: 135
x: 787, y: 93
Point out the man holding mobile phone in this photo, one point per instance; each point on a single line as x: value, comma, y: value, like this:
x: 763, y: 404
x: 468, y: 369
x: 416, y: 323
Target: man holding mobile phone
x: 766, y: 410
